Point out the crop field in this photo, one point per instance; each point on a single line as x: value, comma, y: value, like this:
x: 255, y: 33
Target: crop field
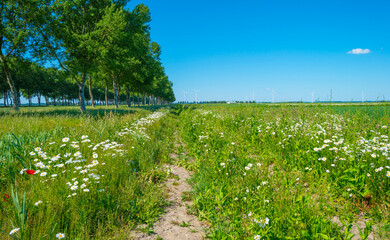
x: 258, y: 171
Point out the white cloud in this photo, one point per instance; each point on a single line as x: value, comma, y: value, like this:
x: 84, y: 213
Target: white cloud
x: 359, y: 51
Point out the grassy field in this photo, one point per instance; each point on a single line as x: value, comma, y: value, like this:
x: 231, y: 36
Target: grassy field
x: 93, y: 174
x: 259, y: 171
x: 290, y: 172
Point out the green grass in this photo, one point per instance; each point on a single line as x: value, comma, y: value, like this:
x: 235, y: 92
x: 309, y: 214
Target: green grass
x: 118, y: 177
x: 279, y: 171
x: 296, y: 165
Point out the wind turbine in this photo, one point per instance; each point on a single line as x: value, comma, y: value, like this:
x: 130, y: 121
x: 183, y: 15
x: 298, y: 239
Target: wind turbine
x: 185, y: 96
x: 273, y: 94
x: 196, y: 95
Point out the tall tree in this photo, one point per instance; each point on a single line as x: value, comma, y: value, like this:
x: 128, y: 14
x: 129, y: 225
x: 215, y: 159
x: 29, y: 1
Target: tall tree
x: 74, y: 33
x: 17, y: 19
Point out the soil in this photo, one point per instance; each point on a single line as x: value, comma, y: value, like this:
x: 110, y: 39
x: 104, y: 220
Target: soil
x: 354, y: 230
x: 176, y: 223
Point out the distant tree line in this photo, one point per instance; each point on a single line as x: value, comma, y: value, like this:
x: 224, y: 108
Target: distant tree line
x: 56, y: 49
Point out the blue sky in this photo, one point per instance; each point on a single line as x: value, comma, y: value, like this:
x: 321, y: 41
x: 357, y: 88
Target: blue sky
x: 242, y: 50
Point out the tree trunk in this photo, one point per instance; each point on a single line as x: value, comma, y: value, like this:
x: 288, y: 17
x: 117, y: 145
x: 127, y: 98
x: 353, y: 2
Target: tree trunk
x: 115, y: 85
x: 81, y: 86
x: 128, y: 96
x: 90, y: 92
x: 144, y: 101
x: 106, y: 93
x: 5, y: 98
x: 54, y: 101
x: 39, y: 99
x: 47, y: 100
x: 29, y: 98
x: 11, y: 83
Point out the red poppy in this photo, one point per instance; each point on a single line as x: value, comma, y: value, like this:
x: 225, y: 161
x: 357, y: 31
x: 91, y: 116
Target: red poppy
x: 6, y: 198
x: 31, y: 172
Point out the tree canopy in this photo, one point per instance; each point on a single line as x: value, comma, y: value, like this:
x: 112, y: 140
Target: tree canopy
x: 52, y: 49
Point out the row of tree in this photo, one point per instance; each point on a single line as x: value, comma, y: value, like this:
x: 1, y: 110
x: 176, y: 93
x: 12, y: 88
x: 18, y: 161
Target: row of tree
x: 53, y: 49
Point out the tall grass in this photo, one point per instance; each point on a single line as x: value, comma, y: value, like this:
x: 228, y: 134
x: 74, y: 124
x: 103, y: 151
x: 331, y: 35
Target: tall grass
x: 86, y: 183
x: 298, y: 166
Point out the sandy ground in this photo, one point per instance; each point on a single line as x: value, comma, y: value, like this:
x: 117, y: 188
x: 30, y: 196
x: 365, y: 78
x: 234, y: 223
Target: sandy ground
x: 176, y: 223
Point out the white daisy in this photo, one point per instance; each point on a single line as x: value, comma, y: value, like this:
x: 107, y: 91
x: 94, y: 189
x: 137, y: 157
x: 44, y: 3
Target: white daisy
x: 60, y: 235
x: 14, y: 231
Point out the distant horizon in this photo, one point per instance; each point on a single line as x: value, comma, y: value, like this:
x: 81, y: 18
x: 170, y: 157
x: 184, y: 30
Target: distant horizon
x: 24, y: 101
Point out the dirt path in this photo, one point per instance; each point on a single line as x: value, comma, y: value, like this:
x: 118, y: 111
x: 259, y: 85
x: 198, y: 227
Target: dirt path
x: 176, y: 223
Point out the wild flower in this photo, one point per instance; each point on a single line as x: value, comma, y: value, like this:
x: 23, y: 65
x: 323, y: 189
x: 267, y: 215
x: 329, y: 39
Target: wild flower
x: 37, y: 203
x: 60, y: 235
x: 13, y: 231
x: 84, y: 137
x: 74, y: 187
x: 86, y: 190
x: 263, y: 222
x: 43, y: 174
x: 5, y: 199
x: 65, y: 139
